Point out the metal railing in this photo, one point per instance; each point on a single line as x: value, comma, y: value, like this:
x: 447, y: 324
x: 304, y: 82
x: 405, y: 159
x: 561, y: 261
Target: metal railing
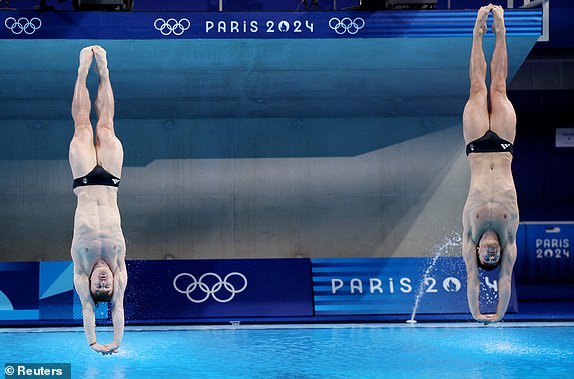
x: 545, y: 37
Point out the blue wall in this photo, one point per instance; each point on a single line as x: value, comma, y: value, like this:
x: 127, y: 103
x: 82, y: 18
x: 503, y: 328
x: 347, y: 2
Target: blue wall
x: 542, y: 172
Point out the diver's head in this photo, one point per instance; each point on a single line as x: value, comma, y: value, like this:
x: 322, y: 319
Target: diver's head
x: 488, y: 252
x: 101, y: 283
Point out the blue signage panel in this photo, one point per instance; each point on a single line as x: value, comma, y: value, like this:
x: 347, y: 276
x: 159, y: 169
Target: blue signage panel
x: 397, y: 285
x: 172, y: 290
x: 160, y: 291
x: 247, y: 25
x: 547, y: 253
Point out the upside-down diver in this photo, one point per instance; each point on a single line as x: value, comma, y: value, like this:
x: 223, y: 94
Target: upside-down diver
x: 490, y: 216
x: 98, y: 245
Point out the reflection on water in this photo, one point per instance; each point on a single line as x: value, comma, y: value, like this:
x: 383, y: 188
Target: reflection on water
x: 115, y: 371
x: 91, y: 373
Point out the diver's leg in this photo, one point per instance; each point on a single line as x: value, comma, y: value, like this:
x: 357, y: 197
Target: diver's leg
x: 475, y: 116
x: 502, y: 116
x: 108, y: 146
x: 82, y: 153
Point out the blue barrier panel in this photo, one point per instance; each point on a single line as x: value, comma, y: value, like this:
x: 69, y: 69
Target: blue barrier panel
x: 267, y: 25
x: 172, y: 290
x: 372, y: 286
x: 19, y: 291
x: 547, y: 250
x: 56, y: 291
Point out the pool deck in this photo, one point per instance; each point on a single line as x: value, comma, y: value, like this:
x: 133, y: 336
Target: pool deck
x: 529, y: 312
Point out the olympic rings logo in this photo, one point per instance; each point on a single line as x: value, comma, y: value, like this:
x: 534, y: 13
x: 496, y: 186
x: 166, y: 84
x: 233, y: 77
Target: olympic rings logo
x: 171, y: 25
x: 17, y: 26
x: 346, y: 25
x: 210, y: 287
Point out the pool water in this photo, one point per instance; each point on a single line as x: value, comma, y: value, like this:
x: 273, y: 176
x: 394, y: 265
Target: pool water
x: 309, y: 351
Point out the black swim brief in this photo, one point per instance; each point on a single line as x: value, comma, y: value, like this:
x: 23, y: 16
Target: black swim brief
x: 490, y: 142
x: 97, y: 177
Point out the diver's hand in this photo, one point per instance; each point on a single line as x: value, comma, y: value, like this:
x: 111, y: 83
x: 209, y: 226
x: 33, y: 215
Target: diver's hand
x: 482, y: 318
x: 487, y: 318
x: 112, y: 347
x: 104, y: 349
x: 494, y: 317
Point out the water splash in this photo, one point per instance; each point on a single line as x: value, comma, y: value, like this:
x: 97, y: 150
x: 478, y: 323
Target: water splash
x: 454, y: 241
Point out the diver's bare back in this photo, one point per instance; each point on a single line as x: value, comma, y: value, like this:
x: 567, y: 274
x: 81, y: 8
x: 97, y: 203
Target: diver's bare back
x: 491, y: 203
x: 97, y: 228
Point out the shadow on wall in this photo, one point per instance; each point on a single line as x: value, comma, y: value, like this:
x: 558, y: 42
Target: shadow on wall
x: 370, y: 192
x: 394, y: 201
x: 148, y: 140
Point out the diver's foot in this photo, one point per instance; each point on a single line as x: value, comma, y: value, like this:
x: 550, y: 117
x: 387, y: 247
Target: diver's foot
x: 101, y: 60
x: 86, y: 57
x: 480, y: 27
x: 498, y: 24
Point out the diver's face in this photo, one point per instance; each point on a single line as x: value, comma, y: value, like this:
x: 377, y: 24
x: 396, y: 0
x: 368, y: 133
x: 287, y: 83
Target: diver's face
x: 489, y: 252
x: 101, y: 280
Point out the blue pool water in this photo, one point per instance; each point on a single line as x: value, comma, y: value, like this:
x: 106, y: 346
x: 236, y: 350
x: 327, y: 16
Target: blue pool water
x: 324, y: 351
